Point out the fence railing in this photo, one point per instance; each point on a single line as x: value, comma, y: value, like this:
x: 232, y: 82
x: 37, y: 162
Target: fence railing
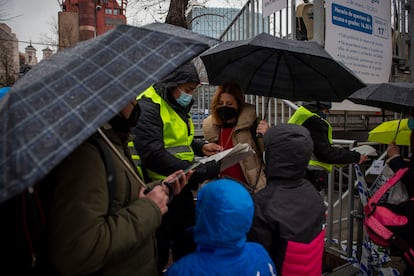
x: 340, y: 199
x: 342, y: 222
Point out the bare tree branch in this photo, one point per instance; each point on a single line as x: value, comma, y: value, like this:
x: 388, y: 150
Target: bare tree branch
x: 142, y: 12
x: 51, y: 38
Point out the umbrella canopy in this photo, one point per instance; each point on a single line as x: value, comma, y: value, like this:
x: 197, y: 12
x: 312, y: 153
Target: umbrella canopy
x: 396, y: 96
x: 64, y: 99
x: 389, y: 131
x: 288, y: 69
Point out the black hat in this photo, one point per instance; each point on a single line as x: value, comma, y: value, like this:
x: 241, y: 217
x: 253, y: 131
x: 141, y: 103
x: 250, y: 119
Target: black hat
x: 186, y: 73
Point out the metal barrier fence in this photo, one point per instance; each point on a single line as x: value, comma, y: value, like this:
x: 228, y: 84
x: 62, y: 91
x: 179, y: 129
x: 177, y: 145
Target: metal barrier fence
x: 340, y: 199
x: 344, y: 219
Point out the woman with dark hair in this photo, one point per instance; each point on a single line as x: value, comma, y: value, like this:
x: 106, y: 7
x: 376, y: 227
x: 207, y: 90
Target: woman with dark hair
x: 234, y: 121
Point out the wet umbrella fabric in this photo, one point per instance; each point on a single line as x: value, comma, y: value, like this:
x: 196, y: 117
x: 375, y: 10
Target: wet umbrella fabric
x: 396, y: 96
x: 63, y: 100
x: 386, y: 133
x: 269, y: 66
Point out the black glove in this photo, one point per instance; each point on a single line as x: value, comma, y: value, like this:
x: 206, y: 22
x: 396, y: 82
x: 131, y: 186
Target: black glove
x: 209, y: 170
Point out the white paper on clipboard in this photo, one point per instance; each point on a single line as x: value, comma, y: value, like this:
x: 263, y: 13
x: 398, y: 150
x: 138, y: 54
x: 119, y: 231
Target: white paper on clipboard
x: 230, y: 156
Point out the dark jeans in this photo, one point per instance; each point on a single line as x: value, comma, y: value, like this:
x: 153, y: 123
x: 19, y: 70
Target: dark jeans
x: 174, y: 231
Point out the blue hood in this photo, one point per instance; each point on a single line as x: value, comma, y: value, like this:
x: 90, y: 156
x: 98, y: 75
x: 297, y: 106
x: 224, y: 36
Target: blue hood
x: 224, y: 214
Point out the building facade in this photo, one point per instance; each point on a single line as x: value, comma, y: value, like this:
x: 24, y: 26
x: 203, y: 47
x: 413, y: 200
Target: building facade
x: 84, y: 19
x: 30, y: 55
x: 210, y: 21
x: 47, y: 52
x: 9, y: 56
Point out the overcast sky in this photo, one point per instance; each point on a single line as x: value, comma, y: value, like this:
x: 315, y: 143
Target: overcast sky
x: 31, y: 19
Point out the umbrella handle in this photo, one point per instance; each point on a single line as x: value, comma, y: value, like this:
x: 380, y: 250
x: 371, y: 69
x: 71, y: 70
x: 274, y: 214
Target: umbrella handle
x: 396, y: 132
x: 121, y: 158
x: 259, y: 135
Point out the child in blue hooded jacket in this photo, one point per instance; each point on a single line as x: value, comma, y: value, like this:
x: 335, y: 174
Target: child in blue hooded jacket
x: 224, y: 214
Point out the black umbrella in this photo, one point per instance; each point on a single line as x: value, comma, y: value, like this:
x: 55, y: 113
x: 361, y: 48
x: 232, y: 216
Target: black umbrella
x: 64, y: 99
x: 288, y: 69
x: 395, y: 96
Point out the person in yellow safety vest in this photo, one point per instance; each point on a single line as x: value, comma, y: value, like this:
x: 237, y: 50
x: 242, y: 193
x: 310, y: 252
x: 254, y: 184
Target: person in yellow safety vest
x: 164, y: 141
x: 312, y: 115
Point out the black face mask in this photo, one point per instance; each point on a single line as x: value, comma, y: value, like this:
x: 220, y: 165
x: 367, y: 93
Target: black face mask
x: 226, y: 113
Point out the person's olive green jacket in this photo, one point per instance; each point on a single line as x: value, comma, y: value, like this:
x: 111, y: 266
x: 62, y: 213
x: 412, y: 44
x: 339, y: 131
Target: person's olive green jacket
x: 252, y: 166
x: 82, y: 237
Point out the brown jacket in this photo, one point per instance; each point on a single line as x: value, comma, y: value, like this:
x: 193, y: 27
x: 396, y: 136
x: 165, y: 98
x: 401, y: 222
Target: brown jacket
x: 252, y: 166
x: 82, y: 238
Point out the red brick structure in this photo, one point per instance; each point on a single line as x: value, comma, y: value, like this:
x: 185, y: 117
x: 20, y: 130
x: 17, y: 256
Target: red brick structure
x: 85, y: 19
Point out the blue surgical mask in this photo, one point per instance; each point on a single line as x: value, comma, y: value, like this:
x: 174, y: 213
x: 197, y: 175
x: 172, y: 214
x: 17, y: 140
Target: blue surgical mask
x: 184, y: 99
x: 410, y: 123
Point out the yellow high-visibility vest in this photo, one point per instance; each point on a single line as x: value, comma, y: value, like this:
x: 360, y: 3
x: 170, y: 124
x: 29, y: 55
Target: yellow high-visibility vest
x: 177, y: 140
x: 135, y: 157
x: 298, y: 118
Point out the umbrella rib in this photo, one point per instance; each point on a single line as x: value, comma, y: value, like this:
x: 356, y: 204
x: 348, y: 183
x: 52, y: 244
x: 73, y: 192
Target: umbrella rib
x: 252, y: 53
x: 273, y: 78
x: 121, y: 158
x: 273, y: 82
x: 396, y: 132
x: 271, y: 53
x: 313, y: 68
x: 275, y: 71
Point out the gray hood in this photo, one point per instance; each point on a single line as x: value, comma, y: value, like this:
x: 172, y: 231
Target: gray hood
x: 288, y: 148
x: 186, y: 73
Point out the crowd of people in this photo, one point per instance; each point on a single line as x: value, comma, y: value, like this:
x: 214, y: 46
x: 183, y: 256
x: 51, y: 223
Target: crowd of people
x: 262, y: 216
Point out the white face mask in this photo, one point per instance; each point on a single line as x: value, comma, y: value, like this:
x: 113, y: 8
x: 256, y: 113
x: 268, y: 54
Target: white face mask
x: 184, y: 99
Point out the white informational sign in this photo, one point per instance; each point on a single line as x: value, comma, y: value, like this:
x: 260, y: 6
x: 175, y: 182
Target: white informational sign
x: 358, y: 33
x: 272, y: 6
x: 376, y: 167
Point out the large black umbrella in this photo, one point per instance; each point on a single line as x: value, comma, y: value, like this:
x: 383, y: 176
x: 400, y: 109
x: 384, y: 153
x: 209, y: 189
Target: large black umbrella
x: 288, y: 69
x: 393, y: 96
x: 63, y: 100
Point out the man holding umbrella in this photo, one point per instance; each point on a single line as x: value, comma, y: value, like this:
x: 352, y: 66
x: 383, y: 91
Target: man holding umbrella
x: 116, y: 239
x: 312, y: 115
x: 66, y: 123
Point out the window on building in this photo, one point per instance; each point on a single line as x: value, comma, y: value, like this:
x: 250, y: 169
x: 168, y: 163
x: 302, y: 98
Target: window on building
x: 116, y: 11
x: 108, y: 11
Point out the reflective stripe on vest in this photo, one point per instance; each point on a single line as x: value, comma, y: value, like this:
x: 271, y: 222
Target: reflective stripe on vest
x: 298, y: 118
x: 177, y: 140
x: 135, y: 158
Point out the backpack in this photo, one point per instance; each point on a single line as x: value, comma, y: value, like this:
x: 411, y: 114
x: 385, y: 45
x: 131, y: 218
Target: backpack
x: 391, y: 225
x: 23, y: 240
